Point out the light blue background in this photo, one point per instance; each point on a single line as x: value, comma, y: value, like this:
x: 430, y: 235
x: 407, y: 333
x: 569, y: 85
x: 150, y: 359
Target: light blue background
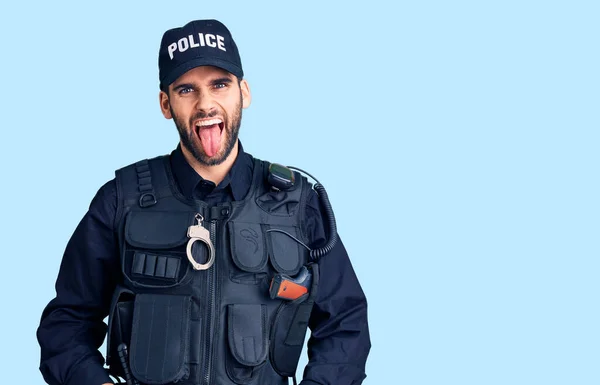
x: 471, y: 127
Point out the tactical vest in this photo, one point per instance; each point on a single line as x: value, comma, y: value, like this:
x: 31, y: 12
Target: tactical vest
x: 214, y: 326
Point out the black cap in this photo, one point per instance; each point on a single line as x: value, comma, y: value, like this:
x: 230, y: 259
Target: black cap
x: 198, y: 43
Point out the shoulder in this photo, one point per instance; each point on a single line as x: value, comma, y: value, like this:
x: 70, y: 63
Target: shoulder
x: 140, y: 164
x: 103, y: 206
x: 107, y: 193
x: 140, y: 173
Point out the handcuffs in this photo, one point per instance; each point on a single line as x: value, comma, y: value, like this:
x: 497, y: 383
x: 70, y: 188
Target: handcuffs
x: 200, y: 233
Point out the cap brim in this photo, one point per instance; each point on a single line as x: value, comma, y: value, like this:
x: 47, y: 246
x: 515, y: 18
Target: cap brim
x: 201, y: 61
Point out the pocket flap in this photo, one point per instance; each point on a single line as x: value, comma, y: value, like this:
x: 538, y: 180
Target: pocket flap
x: 157, y: 229
x: 247, y: 246
x: 247, y: 325
x: 160, y: 338
x: 286, y: 254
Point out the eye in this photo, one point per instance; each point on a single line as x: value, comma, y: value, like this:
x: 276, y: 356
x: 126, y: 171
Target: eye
x: 185, y: 90
x: 220, y: 85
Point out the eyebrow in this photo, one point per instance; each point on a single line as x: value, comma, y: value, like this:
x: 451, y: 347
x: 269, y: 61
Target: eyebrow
x: 220, y: 80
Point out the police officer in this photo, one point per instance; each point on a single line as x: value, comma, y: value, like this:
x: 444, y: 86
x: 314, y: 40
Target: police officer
x: 210, y: 263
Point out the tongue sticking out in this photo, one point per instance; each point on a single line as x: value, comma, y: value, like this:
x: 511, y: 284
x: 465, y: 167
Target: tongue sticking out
x: 210, y: 136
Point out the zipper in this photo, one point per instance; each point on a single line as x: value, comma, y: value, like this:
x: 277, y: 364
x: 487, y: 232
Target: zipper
x: 211, y: 291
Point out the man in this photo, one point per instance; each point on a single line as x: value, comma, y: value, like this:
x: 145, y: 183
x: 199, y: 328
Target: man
x: 210, y: 262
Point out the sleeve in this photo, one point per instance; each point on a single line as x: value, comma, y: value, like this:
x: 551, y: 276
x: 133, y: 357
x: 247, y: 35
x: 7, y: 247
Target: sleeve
x: 339, y: 342
x: 71, y: 328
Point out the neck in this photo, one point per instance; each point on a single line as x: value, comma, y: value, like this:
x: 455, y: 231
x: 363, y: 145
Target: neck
x: 216, y: 173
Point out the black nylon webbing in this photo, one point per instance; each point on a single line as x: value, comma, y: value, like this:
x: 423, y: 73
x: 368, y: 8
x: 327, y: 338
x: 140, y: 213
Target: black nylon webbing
x: 147, y: 194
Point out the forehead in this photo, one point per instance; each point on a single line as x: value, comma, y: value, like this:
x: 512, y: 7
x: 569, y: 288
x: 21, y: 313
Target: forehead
x: 202, y: 74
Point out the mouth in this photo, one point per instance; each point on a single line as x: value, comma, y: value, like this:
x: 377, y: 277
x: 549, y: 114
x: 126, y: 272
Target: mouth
x: 206, y: 123
x: 210, y: 132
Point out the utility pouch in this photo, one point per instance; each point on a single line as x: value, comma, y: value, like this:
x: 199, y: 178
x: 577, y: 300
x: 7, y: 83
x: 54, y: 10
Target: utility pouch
x: 247, y: 246
x: 119, y: 328
x: 289, y: 329
x: 286, y: 255
x: 160, y: 338
x: 248, y: 252
x: 154, y: 249
x: 247, y: 335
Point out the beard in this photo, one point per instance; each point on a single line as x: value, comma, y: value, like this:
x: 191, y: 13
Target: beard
x: 189, y: 138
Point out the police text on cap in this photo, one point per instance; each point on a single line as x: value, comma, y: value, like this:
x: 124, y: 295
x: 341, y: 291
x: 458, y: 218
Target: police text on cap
x: 185, y: 43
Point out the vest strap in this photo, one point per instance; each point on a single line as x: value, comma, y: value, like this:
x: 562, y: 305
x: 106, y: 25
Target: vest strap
x: 148, y: 196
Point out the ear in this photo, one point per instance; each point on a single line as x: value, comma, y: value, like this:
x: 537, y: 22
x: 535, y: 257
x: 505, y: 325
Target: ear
x: 165, y: 104
x: 246, y: 95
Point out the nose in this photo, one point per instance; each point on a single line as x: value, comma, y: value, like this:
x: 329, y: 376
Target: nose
x: 206, y: 104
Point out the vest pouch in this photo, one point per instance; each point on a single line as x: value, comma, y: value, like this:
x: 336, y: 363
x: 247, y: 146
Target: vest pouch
x: 155, y: 243
x: 119, y: 328
x: 160, y: 338
x: 247, y: 336
x: 286, y: 255
x: 248, y: 251
x: 290, y: 325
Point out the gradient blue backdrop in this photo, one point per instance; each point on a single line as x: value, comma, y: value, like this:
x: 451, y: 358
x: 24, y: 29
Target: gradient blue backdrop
x: 475, y: 124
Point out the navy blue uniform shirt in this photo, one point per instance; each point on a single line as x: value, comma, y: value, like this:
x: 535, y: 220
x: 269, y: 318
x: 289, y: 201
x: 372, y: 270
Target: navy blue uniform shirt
x: 72, y: 328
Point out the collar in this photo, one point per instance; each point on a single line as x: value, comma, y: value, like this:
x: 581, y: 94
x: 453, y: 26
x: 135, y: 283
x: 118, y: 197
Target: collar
x: 191, y: 184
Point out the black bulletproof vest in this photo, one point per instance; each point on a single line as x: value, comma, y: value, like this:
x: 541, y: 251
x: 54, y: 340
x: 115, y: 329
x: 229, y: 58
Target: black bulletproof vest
x: 214, y: 326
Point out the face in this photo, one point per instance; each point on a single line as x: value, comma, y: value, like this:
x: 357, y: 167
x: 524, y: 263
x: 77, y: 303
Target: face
x: 206, y: 105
